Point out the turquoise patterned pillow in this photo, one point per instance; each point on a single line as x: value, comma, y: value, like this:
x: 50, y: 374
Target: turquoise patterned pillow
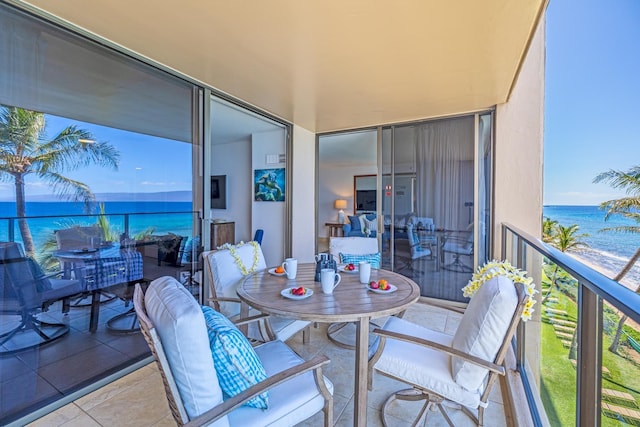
x: 373, y: 259
x: 237, y: 364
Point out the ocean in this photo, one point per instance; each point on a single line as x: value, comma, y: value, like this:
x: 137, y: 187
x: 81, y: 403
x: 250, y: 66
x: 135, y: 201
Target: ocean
x: 163, y: 217
x: 607, y: 249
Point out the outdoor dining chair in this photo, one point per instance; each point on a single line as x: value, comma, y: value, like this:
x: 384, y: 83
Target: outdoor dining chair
x: 461, y: 368
x: 176, y: 331
x: 223, y: 276
x: 25, y: 290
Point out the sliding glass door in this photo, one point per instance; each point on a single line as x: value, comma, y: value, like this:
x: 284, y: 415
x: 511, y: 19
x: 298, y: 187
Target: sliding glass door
x: 435, y: 195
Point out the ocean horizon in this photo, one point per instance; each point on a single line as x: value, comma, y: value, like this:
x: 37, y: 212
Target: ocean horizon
x: 161, y: 216
x: 607, y: 249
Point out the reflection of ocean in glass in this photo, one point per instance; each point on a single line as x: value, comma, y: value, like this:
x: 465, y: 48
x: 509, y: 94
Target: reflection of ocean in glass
x: 608, y: 249
x: 42, y: 229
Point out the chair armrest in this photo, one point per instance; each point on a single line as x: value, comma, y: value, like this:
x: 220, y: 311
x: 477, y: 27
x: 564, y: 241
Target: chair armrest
x: 498, y: 369
x: 232, y: 403
x: 225, y: 299
x: 247, y: 320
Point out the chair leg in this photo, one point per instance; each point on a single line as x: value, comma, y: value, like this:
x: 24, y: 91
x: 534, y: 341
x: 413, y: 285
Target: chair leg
x: 30, y: 323
x: 457, y: 265
x: 306, y: 335
x: 410, y: 395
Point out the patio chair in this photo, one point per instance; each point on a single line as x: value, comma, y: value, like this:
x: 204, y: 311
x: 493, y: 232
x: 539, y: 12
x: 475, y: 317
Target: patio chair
x: 174, y: 326
x: 223, y: 276
x: 350, y: 246
x: 417, y: 248
x: 458, y: 244
x: 461, y: 368
x: 170, y: 249
x: 76, y: 238
x: 25, y: 291
x: 79, y: 237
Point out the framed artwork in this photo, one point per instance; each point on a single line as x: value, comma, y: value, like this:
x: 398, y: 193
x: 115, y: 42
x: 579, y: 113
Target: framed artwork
x: 269, y: 185
x: 219, y: 192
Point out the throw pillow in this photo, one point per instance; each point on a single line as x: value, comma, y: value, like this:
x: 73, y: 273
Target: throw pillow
x: 237, y: 364
x: 355, y: 223
x: 362, y: 218
x: 373, y: 259
x: 372, y: 225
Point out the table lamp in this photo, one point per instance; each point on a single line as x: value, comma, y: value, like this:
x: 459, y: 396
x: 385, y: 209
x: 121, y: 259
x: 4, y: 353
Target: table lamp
x: 340, y: 204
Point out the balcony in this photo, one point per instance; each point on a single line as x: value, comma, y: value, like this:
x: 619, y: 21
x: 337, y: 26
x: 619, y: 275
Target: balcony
x: 596, y: 385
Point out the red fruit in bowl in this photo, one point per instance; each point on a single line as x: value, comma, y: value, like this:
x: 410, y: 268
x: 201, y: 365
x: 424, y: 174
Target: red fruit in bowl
x: 373, y: 284
x: 351, y: 267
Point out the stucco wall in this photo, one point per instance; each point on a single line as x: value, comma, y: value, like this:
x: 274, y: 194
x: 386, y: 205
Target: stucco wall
x: 519, y: 147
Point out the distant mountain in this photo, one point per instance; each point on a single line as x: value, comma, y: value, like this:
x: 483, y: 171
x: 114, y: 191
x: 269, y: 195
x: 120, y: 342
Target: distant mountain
x: 163, y: 196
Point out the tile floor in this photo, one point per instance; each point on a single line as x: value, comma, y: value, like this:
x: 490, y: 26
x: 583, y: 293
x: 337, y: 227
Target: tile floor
x: 138, y: 399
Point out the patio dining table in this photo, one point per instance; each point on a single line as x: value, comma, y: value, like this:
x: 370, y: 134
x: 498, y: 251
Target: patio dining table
x: 100, y: 268
x: 351, y: 301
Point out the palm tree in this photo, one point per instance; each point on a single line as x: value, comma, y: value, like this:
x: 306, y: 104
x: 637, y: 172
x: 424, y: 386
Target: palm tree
x: 628, y: 207
x: 548, y: 229
x: 565, y: 239
x: 25, y: 150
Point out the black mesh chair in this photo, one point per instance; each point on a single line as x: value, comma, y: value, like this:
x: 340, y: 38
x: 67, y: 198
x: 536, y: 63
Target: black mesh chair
x: 25, y: 290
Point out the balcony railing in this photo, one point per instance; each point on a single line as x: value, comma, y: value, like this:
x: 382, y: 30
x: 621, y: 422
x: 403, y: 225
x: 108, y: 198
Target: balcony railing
x: 570, y: 374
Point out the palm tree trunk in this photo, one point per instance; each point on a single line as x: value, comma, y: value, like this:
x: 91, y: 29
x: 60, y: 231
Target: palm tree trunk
x: 552, y: 285
x: 21, y: 213
x: 616, y: 339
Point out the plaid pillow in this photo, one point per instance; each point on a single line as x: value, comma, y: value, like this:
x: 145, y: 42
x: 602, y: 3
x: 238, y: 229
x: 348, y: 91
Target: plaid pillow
x: 373, y: 259
x: 237, y: 364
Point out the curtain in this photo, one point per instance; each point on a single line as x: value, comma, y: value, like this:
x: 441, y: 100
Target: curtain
x: 444, y: 169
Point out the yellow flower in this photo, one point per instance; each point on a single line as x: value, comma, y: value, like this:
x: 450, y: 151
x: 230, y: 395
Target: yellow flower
x: 234, y: 253
x: 495, y: 268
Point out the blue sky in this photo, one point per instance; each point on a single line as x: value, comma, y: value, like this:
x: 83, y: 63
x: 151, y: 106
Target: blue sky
x: 147, y: 164
x: 592, y: 99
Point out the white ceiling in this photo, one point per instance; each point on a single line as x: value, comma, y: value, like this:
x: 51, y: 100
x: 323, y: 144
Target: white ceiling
x: 331, y: 64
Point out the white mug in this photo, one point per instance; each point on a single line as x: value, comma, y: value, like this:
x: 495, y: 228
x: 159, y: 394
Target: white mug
x: 290, y: 266
x: 329, y: 279
x: 365, y: 272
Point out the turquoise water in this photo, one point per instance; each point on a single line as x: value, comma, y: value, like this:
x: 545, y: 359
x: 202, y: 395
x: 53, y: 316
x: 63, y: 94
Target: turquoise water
x: 610, y: 250
x: 163, y: 217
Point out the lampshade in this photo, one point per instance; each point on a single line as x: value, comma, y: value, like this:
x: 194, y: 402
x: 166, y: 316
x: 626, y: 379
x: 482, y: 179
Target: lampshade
x: 340, y: 204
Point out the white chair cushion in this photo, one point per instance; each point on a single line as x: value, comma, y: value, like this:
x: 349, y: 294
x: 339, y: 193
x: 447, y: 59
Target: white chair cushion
x: 226, y: 275
x: 289, y: 403
x: 180, y: 325
x: 483, y: 328
x: 352, y: 245
x: 423, y: 366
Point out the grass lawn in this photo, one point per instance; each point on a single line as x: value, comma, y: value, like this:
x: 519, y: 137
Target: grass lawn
x: 558, y: 382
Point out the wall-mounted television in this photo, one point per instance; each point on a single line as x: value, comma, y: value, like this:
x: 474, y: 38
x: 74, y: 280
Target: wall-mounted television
x: 366, y: 200
x: 219, y: 192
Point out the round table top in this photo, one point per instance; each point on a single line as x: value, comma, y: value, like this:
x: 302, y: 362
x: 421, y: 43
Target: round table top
x: 350, y: 300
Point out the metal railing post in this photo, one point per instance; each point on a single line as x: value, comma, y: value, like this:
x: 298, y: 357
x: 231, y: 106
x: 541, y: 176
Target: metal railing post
x: 589, y: 359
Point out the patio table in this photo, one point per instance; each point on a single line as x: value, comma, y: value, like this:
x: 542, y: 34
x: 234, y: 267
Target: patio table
x: 100, y: 268
x: 351, y: 301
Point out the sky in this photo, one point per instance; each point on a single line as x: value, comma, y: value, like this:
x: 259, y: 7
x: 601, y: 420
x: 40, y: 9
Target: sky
x: 147, y: 164
x: 592, y: 97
